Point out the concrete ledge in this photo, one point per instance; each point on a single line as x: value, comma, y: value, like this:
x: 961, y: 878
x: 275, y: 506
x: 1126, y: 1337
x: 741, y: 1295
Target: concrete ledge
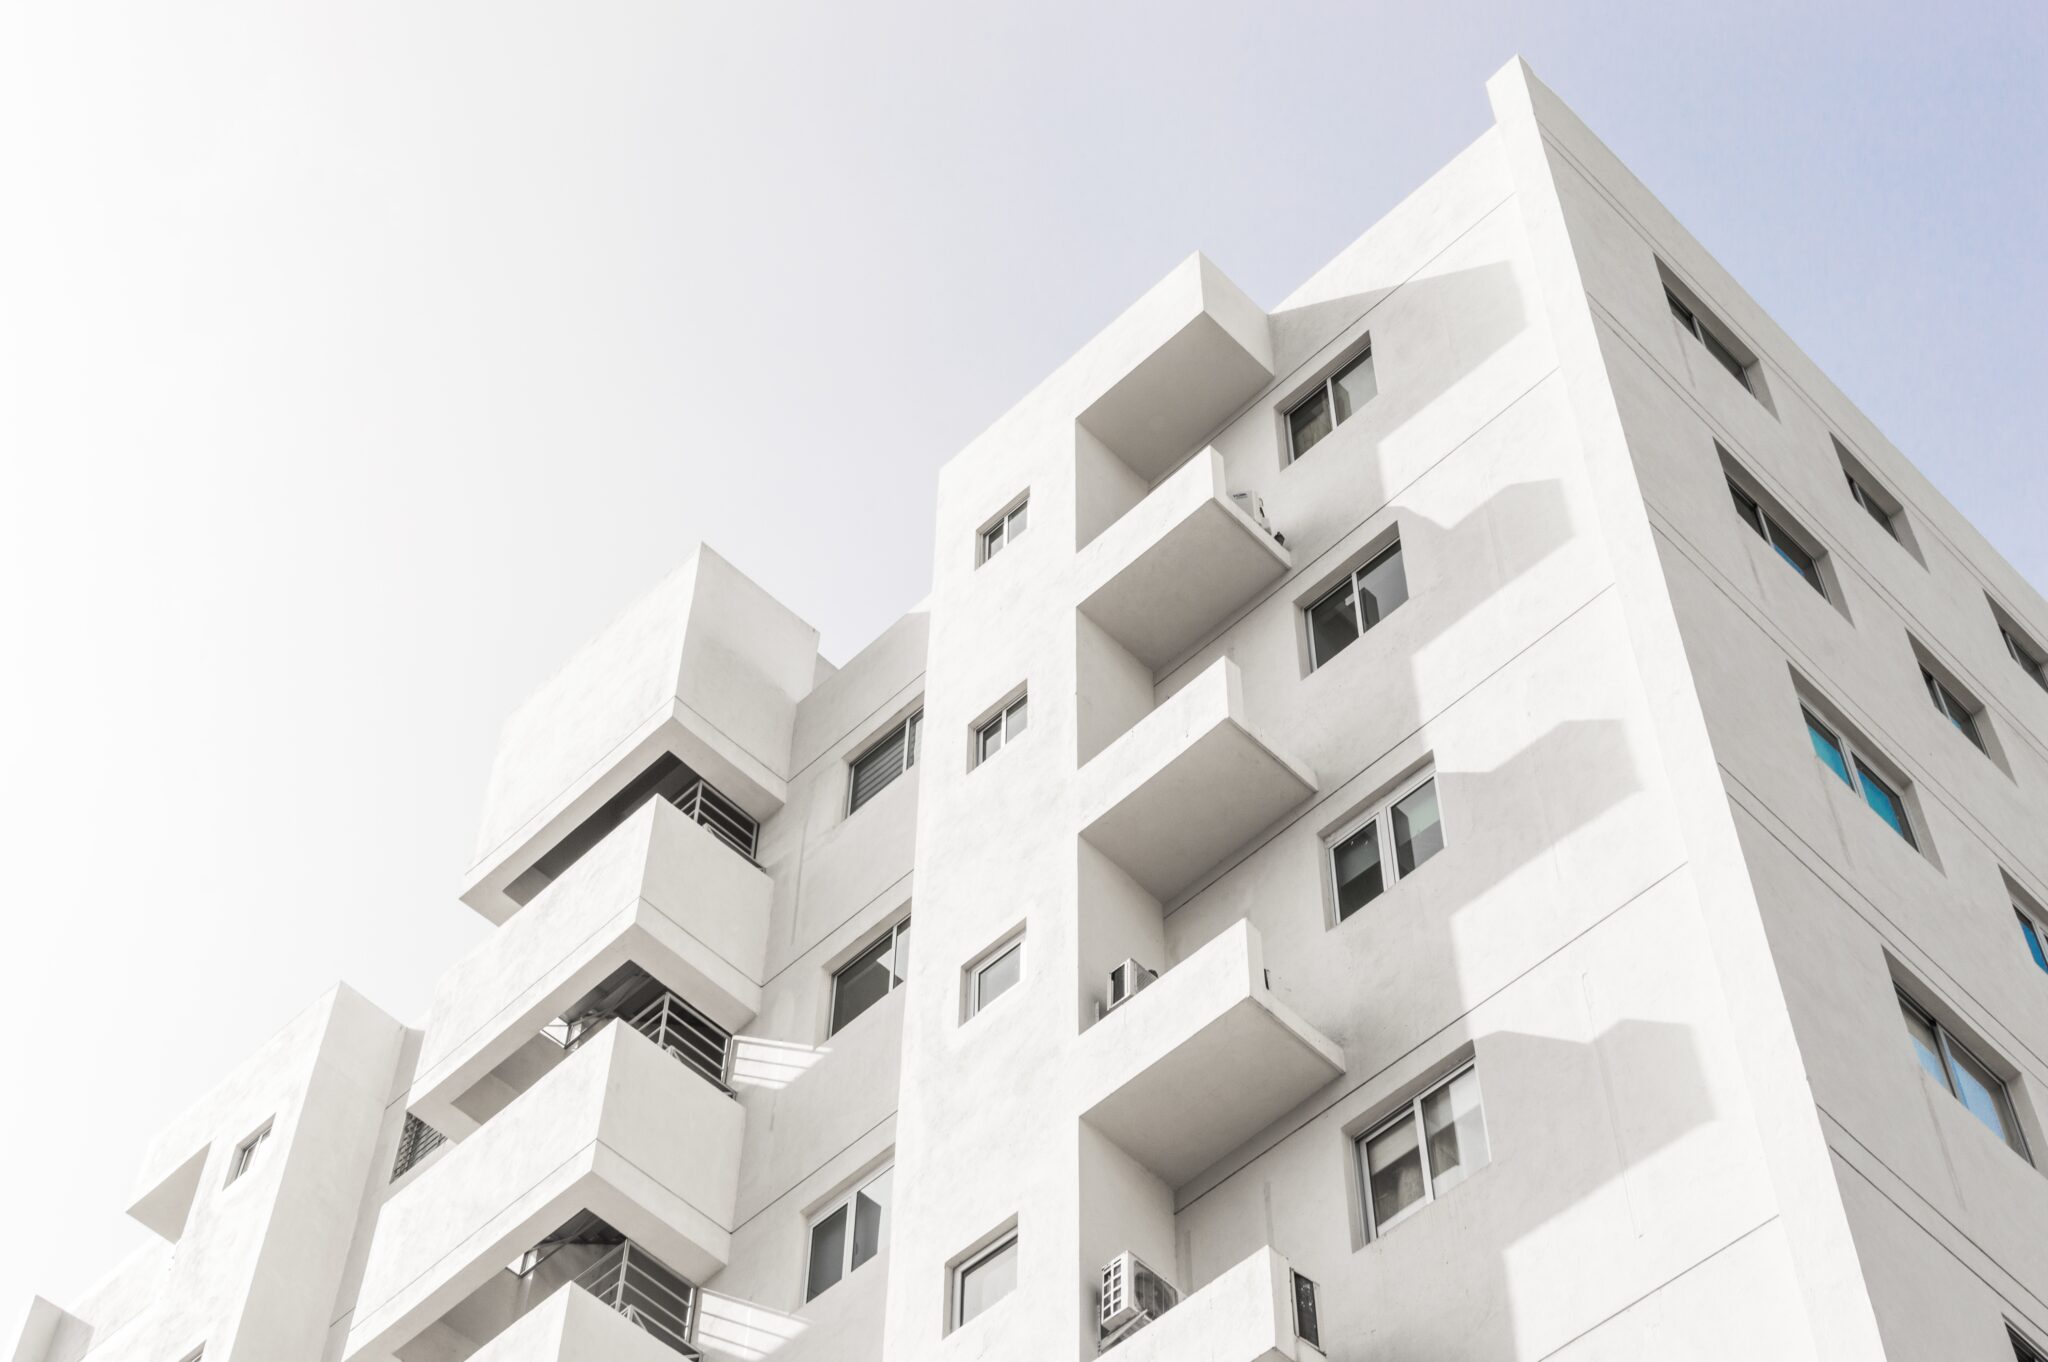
x: 1201, y: 1061
x: 1177, y: 565
x: 660, y: 891
x: 619, y: 1128
x: 1245, y: 1315
x: 574, y: 1326
x: 1187, y: 786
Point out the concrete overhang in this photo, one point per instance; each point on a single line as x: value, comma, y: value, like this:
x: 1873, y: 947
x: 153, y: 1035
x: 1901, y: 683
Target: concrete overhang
x: 1201, y: 1061
x: 1187, y: 786
x: 1177, y: 565
x: 574, y: 1326
x: 164, y: 1202
x: 1203, y: 350
x: 660, y: 892
x: 1245, y: 1315
x: 620, y: 1128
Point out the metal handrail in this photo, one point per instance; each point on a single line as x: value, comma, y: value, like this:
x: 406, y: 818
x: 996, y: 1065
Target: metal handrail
x: 725, y: 820
x: 415, y: 1142
x: 678, y: 1028
x: 633, y: 1282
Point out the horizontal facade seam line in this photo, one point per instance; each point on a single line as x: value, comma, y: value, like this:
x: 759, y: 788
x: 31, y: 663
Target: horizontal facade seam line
x: 1840, y: 696
x: 860, y: 724
x: 1668, y: 1282
x: 1309, y: 568
x: 1753, y: 804
x: 1287, y: 824
x: 1838, y: 1156
x: 872, y: 900
x: 1477, y: 1003
x: 1758, y: 469
x: 770, y: 1203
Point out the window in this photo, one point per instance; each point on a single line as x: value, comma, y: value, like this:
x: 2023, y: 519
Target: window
x: 1354, y: 605
x: 848, y: 1232
x: 984, y: 1279
x: 1872, y: 505
x: 2030, y: 656
x: 1709, y: 333
x: 1950, y: 707
x: 1965, y: 1077
x: 1007, y: 527
x: 1331, y: 400
x: 870, y: 976
x: 244, y: 1157
x: 1410, y: 823
x: 1882, y: 798
x: 1803, y: 561
x: 994, y: 974
x: 1433, y: 1144
x: 2033, y: 937
x: 886, y: 759
x: 1001, y: 729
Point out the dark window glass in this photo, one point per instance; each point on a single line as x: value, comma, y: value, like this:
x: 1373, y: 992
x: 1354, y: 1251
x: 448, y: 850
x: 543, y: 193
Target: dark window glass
x: 1307, y: 1327
x: 1952, y: 708
x: 1418, y: 831
x: 868, y: 977
x: 1869, y: 504
x: 1789, y: 549
x: 1333, y: 622
x: 877, y: 768
x: 1359, y: 874
x: 1886, y: 802
x: 870, y: 1209
x: 1746, y: 507
x: 1382, y: 585
x: 828, y: 1252
x: 1362, y: 600
x: 1310, y: 422
x: 1724, y: 355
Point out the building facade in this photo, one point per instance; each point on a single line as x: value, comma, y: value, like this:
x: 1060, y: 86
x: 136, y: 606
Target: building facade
x: 1483, y: 813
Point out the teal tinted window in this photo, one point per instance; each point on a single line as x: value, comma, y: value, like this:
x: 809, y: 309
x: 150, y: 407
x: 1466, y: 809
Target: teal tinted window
x: 1827, y: 749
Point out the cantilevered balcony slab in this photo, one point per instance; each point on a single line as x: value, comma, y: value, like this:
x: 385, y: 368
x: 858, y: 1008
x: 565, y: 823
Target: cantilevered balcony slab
x: 1177, y: 565
x: 1193, y: 351
x: 707, y: 668
x: 659, y: 891
x: 620, y: 1128
x: 574, y: 1326
x: 1201, y: 1061
x: 1187, y: 786
x: 1245, y: 1315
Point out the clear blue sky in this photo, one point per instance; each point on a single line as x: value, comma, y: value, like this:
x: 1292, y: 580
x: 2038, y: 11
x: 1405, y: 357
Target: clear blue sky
x: 359, y: 361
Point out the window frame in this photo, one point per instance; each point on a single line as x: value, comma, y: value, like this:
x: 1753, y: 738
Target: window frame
x: 1767, y: 526
x: 1325, y: 389
x: 2031, y: 932
x: 1871, y: 505
x: 1001, y: 532
x: 893, y: 934
x: 1954, y: 708
x: 846, y: 1201
x: 956, y: 1284
x: 1380, y: 812
x: 999, y: 725
x: 1707, y: 334
x: 1411, y: 1110
x: 243, y: 1158
x: 2030, y: 662
x: 1351, y: 580
x: 1857, y: 762
x: 912, y: 729
x: 1947, y: 1046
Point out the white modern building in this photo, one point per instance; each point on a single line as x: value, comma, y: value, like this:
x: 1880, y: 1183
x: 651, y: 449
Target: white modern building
x: 1481, y: 812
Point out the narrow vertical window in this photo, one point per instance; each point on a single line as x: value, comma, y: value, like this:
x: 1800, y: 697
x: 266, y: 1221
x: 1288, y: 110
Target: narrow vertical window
x: 2032, y: 935
x: 1330, y: 403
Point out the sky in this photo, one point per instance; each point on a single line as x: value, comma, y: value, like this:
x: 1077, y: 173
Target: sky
x: 359, y: 362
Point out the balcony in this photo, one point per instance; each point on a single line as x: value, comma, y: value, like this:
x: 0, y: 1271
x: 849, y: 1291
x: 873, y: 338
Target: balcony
x: 662, y: 891
x: 1258, y: 1311
x: 1202, y: 1060
x: 618, y: 1129
x: 1177, y: 565
x: 705, y: 670
x: 1189, y: 785
x: 1198, y: 349
x: 573, y: 1325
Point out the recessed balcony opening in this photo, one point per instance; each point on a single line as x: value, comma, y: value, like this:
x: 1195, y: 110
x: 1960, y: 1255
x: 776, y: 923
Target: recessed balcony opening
x: 668, y: 778
x: 584, y: 1254
x: 631, y: 996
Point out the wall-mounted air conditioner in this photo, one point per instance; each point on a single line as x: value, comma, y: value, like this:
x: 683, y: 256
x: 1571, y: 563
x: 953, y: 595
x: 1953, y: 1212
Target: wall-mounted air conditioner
x: 1132, y: 1295
x: 1125, y: 982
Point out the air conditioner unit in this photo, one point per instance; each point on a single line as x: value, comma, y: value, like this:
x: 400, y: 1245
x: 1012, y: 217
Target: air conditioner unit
x: 1253, y: 505
x: 1133, y: 1294
x: 1126, y: 981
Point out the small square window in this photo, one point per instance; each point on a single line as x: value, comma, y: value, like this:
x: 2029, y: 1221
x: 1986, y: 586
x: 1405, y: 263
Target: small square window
x: 993, y: 735
x: 1006, y: 528
x: 244, y: 1157
x: 994, y: 975
x: 1410, y: 823
x: 880, y: 969
x: 1434, y: 1143
x: 1330, y: 403
x: 1341, y: 615
x: 848, y: 1232
x: 984, y: 1279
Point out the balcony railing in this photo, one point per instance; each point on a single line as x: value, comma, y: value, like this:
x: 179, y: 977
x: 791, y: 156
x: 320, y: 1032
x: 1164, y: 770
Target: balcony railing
x: 678, y: 1028
x: 630, y: 1281
x: 415, y: 1142
x: 725, y: 820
